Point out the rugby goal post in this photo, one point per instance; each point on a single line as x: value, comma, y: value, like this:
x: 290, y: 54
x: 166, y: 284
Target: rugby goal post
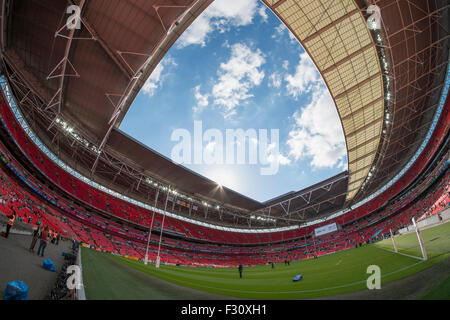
x: 419, y: 237
x: 420, y: 240
x: 393, y: 241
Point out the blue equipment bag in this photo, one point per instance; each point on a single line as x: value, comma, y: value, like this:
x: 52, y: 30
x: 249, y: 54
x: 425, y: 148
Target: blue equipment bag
x: 49, y: 265
x: 297, y: 278
x: 16, y: 290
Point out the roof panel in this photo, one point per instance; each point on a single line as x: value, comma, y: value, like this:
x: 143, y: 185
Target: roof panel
x: 344, y: 52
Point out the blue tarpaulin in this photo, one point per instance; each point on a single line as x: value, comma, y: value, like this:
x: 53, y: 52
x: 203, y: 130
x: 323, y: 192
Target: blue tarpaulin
x: 49, y: 265
x: 16, y: 290
x: 297, y: 278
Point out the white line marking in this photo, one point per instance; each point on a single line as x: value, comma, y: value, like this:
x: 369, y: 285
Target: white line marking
x: 296, y: 291
x: 403, y: 254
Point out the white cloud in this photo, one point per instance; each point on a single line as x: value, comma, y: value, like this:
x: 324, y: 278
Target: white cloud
x: 202, y: 100
x: 262, y: 12
x: 275, y: 80
x: 210, y: 149
x: 278, y: 31
x: 156, y: 78
x: 283, y: 160
x: 318, y: 134
x: 196, y: 33
x: 220, y: 15
x: 153, y: 81
x: 237, y: 77
x: 342, y: 164
x: 275, y: 156
x: 305, y: 77
x: 281, y: 30
x: 285, y: 64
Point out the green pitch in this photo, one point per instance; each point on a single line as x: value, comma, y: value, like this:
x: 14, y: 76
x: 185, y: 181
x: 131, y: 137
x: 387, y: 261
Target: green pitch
x: 110, y: 277
x: 436, y: 241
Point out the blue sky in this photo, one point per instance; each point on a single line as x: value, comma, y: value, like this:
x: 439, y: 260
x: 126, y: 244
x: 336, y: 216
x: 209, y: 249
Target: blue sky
x: 237, y: 67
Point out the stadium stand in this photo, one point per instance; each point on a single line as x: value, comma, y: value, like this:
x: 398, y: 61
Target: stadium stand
x: 110, y: 224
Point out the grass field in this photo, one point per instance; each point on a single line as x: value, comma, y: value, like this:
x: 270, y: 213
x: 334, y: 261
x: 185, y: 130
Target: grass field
x: 436, y: 241
x: 440, y: 292
x: 106, y: 276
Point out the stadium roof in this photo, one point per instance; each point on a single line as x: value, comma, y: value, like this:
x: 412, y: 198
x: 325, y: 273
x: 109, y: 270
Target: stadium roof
x: 74, y: 86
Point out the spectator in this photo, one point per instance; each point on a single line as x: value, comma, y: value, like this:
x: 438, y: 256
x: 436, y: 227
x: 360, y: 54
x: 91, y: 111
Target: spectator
x: 12, y: 219
x: 44, y: 240
x: 75, y: 244
x: 36, y: 233
x: 54, y: 235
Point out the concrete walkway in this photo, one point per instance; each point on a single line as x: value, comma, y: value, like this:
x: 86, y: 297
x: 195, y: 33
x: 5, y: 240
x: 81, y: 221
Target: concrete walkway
x: 17, y: 263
